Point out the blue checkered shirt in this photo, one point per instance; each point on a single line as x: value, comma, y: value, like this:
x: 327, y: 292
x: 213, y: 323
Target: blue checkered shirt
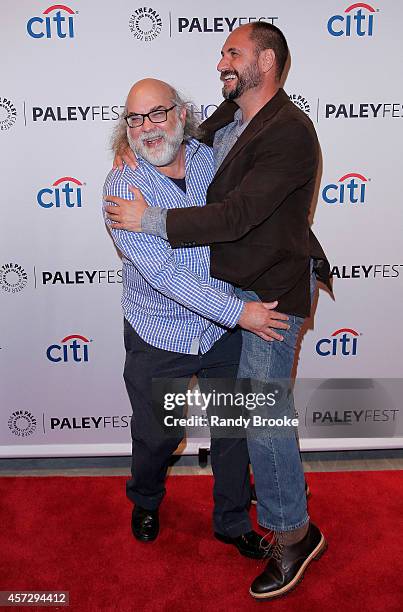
x: 169, y: 297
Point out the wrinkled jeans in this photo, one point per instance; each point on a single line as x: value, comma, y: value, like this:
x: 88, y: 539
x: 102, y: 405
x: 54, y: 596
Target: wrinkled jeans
x: 275, y: 457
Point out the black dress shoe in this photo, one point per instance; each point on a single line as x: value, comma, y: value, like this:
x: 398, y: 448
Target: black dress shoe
x: 288, y: 564
x: 145, y: 524
x: 248, y: 544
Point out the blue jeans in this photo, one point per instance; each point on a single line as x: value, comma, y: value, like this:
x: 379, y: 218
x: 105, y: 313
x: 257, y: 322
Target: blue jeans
x: 275, y: 458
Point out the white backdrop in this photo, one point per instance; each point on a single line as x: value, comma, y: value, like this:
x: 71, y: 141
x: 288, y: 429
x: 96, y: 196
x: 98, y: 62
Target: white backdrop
x: 66, y: 71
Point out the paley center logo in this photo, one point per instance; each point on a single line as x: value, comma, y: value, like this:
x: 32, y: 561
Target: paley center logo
x: 13, y: 278
x: 221, y: 24
x: 145, y: 24
x: 368, y: 271
x: 65, y: 191
x: 71, y: 348
x: 342, y: 342
x: 8, y: 114
x: 301, y: 102
x: 81, y: 277
x: 364, y: 110
x: 357, y: 20
x: 349, y: 189
x: 76, y: 113
x: 22, y: 423
x: 354, y: 408
x: 89, y: 422
x: 57, y: 21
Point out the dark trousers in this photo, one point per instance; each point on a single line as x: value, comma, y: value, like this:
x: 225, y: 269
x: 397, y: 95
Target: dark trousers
x: 152, y: 446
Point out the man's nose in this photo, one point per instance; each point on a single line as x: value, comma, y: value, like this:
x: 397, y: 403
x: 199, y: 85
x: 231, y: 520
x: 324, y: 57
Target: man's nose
x: 147, y: 124
x: 222, y: 65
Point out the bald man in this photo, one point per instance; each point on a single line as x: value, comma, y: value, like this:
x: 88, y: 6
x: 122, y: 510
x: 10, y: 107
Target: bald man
x: 178, y: 320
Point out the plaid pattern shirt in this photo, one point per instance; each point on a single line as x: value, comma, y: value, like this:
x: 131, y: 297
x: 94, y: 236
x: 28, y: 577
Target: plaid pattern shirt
x: 169, y: 297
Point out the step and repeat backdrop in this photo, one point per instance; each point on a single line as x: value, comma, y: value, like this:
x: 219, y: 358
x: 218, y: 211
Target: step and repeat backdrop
x: 66, y: 71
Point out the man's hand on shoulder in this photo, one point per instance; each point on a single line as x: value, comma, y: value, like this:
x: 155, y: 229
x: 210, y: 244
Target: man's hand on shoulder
x: 260, y: 317
x: 126, y: 214
x: 125, y: 155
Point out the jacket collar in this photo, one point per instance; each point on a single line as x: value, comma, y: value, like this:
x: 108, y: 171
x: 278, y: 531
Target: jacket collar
x: 267, y: 112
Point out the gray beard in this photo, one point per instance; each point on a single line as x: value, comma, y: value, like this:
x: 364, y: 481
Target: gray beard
x: 167, y: 151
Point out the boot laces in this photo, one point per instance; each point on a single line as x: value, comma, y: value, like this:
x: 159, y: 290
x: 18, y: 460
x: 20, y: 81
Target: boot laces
x: 272, y: 546
x: 267, y: 543
x: 278, y: 550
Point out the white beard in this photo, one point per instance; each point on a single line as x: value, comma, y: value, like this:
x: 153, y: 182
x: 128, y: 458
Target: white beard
x: 167, y: 150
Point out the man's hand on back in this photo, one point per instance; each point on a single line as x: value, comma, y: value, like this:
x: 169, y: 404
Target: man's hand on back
x: 260, y: 317
x: 126, y: 214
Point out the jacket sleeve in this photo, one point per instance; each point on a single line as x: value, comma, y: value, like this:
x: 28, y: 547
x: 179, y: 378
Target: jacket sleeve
x: 288, y: 162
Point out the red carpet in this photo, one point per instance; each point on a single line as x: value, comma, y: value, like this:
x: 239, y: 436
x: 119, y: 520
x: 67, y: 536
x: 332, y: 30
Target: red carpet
x: 74, y: 534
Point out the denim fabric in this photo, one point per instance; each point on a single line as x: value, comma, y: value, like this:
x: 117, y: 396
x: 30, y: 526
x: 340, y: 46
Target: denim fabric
x: 275, y: 457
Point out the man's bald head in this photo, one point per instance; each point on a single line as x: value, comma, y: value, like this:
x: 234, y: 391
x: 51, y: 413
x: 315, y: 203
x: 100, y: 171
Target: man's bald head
x: 148, y: 91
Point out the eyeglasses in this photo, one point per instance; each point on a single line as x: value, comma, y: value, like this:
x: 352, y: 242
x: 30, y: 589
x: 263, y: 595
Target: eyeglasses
x: 158, y: 116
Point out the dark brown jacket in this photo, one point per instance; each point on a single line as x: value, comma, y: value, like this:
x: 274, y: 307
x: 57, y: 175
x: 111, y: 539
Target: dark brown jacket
x: 256, y: 217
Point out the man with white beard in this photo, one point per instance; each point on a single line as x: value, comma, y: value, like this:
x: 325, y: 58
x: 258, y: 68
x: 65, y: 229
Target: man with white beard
x: 179, y: 321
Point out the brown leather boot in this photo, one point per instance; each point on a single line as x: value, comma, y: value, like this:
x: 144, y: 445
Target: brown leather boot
x: 287, y: 565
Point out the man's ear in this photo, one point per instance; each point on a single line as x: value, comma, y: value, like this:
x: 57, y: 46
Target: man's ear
x: 182, y: 114
x: 267, y: 60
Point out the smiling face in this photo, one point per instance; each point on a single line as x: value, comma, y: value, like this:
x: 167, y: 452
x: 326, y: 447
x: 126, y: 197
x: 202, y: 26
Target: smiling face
x: 157, y: 143
x: 239, y: 65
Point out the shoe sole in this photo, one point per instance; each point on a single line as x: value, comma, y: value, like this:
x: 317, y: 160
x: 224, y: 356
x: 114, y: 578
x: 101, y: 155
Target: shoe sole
x: 146, y: 540
x: 314, y: 556
x: 226, y: 540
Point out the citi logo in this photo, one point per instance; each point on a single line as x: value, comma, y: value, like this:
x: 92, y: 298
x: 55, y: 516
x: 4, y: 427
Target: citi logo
x: 343, y: 342
x: 57, y: 22
x: 66, y: 191
x: 358, y: 20
x: 349, y: 189
x: 71, y: 348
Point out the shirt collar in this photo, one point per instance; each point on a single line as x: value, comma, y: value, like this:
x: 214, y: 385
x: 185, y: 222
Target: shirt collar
x: 238, y: 116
